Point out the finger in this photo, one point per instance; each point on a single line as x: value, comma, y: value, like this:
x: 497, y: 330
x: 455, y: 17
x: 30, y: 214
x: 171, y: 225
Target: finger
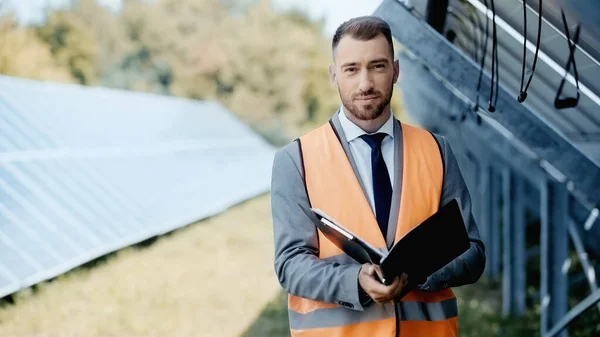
x: 390, y: 291
x: 370, y: 270
x: 401, y: 287
x: 382, y: 300
x: 379, y: 272
x: 396, y: 282
x: 376, y: 289
x: 384, y: 297
x: 393, y: 288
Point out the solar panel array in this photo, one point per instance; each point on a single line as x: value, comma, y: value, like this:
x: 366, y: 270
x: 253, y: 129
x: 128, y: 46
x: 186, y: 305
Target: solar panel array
x: 87, y: 171
x: 580, y: 125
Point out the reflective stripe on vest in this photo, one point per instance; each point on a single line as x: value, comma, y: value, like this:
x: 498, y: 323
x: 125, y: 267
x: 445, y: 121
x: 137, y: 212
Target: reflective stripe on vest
x: 410, y: 311
x: 333, y: 187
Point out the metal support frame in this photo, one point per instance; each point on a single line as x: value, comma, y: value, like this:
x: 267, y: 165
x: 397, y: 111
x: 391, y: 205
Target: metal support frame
x: 554, y: 253
x: 577, y: 310
x: 490, y: 220
x: 513, y: 248
x: 520, y: 246
x: 478, y: 197
x: 495, y: 239
x: 491, y: 145
x: 485, y: 219
x: 582, y: 216
x: 588, y: 270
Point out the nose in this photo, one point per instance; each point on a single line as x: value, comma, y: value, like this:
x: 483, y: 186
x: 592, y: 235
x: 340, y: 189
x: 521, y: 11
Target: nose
x: 366, y: 83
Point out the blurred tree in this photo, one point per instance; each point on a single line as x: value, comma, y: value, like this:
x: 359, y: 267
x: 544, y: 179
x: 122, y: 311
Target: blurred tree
x: 23, y: 54
x: 268, y: 67
x: 123, y: 61
x: 183, y: 24
x: 109, y: 33
x: 72, y: 44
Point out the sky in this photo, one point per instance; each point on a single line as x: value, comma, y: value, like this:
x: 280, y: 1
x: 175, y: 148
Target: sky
x: 334, y: 11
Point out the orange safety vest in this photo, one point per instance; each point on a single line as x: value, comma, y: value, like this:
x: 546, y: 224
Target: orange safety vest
x: 333, y: 187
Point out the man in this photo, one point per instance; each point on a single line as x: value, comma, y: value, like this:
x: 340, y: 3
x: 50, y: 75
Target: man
x: 379, y: 178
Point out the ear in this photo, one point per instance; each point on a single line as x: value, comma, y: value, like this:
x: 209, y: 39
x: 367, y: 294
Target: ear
x: 396, y: 70
x: 332, y: 75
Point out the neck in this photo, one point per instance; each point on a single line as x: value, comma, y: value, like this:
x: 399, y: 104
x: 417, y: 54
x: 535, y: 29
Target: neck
x: 371, y: 125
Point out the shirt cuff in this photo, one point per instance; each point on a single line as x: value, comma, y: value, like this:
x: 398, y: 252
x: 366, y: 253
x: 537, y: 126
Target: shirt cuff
x: 365, y: 299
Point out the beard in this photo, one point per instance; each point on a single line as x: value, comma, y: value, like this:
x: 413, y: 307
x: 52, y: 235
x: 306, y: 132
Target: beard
x: 368, y: 111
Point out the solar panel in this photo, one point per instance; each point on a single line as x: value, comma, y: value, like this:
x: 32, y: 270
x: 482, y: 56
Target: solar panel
x: 579, y: 125
x: 86, y: 171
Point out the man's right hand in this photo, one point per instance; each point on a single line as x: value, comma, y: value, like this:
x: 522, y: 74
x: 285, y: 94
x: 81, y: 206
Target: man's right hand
x: 379, y: 292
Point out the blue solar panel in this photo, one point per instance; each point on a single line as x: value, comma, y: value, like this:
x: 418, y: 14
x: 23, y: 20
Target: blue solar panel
x: 86, y: 171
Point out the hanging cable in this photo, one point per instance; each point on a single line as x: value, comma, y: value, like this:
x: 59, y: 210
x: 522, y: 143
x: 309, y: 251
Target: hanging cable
x: 569, y: 102
x: 477, y: 27
x: 523, y: 92
x: 524, y: 46
x: 495, y: 75
x: 482, y: 64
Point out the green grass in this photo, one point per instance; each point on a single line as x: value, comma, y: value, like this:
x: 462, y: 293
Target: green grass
x: 480, y: 307
x: 273, y: 320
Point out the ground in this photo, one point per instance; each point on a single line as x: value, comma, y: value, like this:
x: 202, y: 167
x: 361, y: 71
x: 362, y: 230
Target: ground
x: 211, y: 278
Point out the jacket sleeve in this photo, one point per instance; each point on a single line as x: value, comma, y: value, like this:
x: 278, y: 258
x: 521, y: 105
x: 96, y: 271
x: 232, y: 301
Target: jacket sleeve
x: 297, y: 265
x: 468, y: 267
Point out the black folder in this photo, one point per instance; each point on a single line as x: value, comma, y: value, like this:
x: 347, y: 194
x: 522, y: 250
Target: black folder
x: 426, y: 248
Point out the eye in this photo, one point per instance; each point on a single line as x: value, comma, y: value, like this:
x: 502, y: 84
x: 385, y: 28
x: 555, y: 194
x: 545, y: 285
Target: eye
x: 350, y: 70
x: 379, y: 66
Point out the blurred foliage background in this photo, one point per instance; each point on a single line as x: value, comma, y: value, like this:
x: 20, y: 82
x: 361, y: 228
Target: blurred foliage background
x: 269, y: 67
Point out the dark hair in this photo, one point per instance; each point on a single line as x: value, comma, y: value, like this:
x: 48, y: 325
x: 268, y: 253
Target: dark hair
x: 363, y: 28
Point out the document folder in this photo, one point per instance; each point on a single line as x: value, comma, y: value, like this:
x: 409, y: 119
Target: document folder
x: 422, y: 251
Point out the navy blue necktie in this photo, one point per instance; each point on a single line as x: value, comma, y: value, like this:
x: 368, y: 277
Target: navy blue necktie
x: 382, y: 187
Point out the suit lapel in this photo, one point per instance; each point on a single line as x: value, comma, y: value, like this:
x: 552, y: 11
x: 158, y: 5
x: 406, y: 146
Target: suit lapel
x: 397, y: 188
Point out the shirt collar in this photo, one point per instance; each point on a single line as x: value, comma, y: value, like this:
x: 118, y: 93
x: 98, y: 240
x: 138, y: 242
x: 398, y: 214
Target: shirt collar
x: 353, y: 131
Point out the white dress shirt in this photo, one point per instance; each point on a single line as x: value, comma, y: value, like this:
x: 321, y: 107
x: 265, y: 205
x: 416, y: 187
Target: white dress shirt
x: 361, y: 151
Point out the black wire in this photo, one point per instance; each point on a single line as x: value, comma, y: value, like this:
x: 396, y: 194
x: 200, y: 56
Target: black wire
x: 478, y: 37
x: 569, y: 102
x: 523, y: 93
x: 524, y: 45
x: 494, y: 100
x: 497, y: 64
x: 495, y: 41
x: 482, y: 64
x: 490, y: 107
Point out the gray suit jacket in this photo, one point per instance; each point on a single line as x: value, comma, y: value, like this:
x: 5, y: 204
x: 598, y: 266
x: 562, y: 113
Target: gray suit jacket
x: 302, y: 273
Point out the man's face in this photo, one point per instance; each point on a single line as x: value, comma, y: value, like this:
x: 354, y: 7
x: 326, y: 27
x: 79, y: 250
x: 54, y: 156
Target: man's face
x: 364, y: 73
